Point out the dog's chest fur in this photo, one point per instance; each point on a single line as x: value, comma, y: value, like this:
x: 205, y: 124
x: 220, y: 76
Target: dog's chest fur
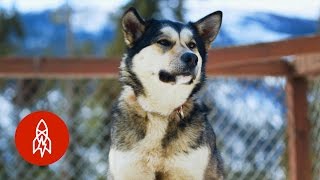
x: 150, y: 148
x: 149, y: 157
x: 155, y: 144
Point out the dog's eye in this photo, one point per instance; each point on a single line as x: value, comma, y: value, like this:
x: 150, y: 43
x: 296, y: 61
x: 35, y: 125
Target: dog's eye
x: 164, y: 42
x: 191, y: 45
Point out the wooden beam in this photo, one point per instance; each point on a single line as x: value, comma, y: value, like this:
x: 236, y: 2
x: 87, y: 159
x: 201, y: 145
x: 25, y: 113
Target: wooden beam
x: 307, y: 65
x: 252, y: 60
x: 16, y: 67
x: 101, y: 68
x: 244, y: 54
x: 266, y: 67
x: 298, y: 129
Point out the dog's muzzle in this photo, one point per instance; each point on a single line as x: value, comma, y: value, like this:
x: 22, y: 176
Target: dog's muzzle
x: 176, y: 78
x: 184, y: 74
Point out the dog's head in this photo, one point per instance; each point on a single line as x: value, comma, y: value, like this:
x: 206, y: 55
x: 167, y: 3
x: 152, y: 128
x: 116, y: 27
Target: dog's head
x: 165, y: 55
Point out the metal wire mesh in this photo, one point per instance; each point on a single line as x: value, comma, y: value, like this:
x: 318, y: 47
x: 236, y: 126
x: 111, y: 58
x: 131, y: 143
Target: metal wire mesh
x: 83, y: 104
x: 249, y: 120
x: 248, y: 116
x: 314, y: 115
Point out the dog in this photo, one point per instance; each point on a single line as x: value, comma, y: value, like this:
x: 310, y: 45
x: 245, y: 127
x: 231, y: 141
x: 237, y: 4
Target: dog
x: 159, y: 128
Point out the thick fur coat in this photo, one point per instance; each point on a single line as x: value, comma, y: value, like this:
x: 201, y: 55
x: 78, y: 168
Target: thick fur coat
x: 159, y: 130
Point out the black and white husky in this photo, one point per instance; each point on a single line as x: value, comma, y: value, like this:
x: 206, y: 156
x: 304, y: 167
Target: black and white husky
x: 159, y: 130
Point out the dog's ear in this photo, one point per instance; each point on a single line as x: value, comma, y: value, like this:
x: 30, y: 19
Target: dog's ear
x: 208, y: 27
x: 133, y: 26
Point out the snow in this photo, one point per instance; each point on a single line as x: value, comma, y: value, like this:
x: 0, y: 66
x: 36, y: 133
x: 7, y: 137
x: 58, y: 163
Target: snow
x: 242, y: 101
x: 6, y: 108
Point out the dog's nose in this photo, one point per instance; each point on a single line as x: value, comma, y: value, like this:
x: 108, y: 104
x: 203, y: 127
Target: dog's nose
x: 190, y: 59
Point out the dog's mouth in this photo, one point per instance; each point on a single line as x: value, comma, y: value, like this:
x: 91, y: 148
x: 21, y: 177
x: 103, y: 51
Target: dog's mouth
x: 176, y: 78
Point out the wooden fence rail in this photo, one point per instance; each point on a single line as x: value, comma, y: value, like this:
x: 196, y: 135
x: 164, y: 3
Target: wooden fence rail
x: 295, y: 59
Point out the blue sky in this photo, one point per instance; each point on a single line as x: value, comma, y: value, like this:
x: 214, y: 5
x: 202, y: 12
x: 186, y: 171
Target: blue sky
x: 92, y: 15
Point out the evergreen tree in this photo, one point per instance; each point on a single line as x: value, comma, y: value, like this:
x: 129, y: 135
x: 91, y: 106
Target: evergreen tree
x: 10, y: 28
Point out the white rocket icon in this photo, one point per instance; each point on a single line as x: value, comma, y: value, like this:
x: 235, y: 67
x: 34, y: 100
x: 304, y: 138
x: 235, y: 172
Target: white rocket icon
x: 41, y: 142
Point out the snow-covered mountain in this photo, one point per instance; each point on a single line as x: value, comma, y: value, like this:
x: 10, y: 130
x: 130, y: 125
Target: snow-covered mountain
x: 45, y: 37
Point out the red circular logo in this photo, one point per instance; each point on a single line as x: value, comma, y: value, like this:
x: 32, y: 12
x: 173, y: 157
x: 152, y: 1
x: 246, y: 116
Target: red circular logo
x: 42, y: 138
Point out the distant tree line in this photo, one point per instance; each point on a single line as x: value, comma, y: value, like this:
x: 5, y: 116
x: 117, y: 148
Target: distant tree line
x: 10, y: 29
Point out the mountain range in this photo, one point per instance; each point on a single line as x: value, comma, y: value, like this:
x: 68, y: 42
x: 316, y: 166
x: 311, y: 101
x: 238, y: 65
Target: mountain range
x: 43, y: 36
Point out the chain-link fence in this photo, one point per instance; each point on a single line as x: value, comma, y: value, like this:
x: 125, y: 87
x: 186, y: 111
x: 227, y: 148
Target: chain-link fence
x: 248, y: 116
x: 314, y: 115
x: 83, y: 104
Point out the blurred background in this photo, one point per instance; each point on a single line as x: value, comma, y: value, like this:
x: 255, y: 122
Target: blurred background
x: 248, y: 114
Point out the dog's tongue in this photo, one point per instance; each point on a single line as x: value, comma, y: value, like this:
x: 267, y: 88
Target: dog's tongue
x: 183, y: 79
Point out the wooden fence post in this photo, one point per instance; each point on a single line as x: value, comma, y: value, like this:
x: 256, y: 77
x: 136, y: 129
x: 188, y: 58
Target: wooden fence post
x: 298, y: 129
